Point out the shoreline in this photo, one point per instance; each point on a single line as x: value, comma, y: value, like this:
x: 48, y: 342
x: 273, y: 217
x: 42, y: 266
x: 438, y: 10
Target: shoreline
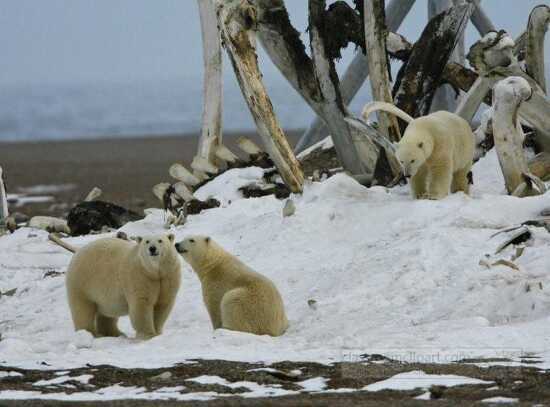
x: 125, y: 168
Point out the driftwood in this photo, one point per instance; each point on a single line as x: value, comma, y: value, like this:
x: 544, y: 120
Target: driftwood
x: 420, y: 76
x: 237, y: 20
x: 508, y: 95
x: 375, y: 42
x: 211, y: 136
x: 97, y: 215
x: 356, y: 73
x: 3, y: 198
x: 534, y: 53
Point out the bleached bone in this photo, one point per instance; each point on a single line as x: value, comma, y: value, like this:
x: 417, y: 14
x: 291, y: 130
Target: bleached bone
x: 201, y: 175
x: 248, y: 146
x: 237, y: 20
x: 50, y: 224
x: 93, y: 194
x: 445, y: 97
x: 534, y: 54
x: 539, y: 166
x: 200, y: 164
x: 159, y: 190
x: 211, y: 135
x: 480, y: 20
x: 182, y: 190
x: 386, y: 107
x: 179, y: 172
x: 375, y: 44
x: 57, y: 240
x: 226, y: 155
x: 358, y: 71
x: 508, y: 95
x: 3, y: 198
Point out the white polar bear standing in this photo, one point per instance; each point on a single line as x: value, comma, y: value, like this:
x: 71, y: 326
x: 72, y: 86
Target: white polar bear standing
x: 436, y: 151
x: 111, y: 277
x: 236, y: 297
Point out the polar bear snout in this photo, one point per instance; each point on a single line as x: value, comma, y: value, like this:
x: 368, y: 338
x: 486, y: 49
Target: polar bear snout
x: 179, y: 248
x: 153, y: 251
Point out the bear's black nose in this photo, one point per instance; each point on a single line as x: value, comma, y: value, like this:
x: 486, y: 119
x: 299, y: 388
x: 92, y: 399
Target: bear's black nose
x: 177, y: 247
x: 153, y: 250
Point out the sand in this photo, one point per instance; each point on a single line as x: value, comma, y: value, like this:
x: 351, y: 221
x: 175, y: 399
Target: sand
x: 124, y: 168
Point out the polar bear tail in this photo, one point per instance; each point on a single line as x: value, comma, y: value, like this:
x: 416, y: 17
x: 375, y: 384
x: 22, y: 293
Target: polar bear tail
x: 57, y: 240
x: 385, y: 107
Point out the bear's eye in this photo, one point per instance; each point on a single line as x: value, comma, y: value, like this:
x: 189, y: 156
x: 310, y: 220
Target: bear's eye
x: 160, y: 241
x: 412, y: 161
x: 147, y: 242
x: 192, y: 240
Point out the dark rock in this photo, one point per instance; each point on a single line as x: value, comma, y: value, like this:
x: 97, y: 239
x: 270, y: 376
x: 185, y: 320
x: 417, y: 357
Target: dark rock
x: 94, y: 215
x: 195, y: 206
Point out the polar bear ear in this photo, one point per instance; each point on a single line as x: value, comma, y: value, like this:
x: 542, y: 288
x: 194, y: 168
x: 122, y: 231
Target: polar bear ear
x: 138, y: 239
x: 421, y: 144
x: 207, y: 239
x: 171, y: 237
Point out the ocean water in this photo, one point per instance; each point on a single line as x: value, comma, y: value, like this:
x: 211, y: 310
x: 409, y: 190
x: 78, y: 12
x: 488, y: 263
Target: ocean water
x: 148, y: 108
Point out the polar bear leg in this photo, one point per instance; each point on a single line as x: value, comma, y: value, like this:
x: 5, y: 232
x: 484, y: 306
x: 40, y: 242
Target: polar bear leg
x: 83, y: 313
x: 418, y: 183
x: 161, y: 315
x: 107, y: 326
x: 236, y: 314
x: 439, y: 183
x: 460, y: 181
x: 141, y: 316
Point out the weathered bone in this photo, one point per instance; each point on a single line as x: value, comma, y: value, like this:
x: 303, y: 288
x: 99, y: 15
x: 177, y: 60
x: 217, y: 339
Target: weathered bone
x: 534, y: 54
x: 202, y: 165
x: 226, y: 155
x: 419, y: 77
x: 93, y: 194
x: 375, y: 44
x: 237, y: 20
x: 508, y: 95
x: 358, y: 71
x: 248, y: 146
x: 181, y: 173
x: 160, y: 189
x: 211, y: 135
x: 3, y: 198
x: 183, y: 191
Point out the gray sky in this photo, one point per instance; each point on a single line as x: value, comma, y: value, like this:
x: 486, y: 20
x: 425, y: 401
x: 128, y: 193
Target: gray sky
x: 67, y: 41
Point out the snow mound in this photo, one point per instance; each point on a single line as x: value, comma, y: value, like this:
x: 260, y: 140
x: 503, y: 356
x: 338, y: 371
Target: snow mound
x: 387, y: 274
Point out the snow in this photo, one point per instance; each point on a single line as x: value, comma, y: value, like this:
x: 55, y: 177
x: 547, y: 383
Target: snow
x: 84, y: 379
x: 418, y: 379
x: 10, y: 374
x: 388, y: 275
x: 314, y: 384
x: 500, y: 400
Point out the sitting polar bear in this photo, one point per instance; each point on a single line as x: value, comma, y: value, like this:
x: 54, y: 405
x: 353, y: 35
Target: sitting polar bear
x: 436, y: 151
x: 236, y: 297
x: 111, y: 277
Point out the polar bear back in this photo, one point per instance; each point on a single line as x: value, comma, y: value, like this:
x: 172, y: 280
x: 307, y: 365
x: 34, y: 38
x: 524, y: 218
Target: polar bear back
x: 450, y: 133
x: 95, y: 267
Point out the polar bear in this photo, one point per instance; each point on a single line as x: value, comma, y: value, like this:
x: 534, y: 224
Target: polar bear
x: 236, y: 297
x: 436, y: 151
x: 112, y: 277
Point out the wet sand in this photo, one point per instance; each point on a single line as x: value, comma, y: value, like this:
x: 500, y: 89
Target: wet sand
x: 125, y: 169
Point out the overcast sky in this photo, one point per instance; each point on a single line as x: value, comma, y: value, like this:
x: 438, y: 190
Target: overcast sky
x: 67, y: 41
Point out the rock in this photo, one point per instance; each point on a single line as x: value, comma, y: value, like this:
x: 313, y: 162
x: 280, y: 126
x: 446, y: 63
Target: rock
x: 95, y: 215
x: 164, y: 376
x: 289, y: 209
x: 195, y: 206
x: 312, y: 304
x: 50, y: 224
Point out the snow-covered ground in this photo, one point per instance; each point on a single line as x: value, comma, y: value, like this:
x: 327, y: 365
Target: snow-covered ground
x: 361, y: 270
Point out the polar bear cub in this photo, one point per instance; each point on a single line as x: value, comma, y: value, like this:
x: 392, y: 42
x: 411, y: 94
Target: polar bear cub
x: 436, y: 151
x: 236, y: 297
x: 111, y: 277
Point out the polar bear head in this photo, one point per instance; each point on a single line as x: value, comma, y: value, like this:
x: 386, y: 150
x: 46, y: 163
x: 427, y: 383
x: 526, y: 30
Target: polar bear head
x: 199, y: 251
x: 155, y: 249
x: 413, y: 150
